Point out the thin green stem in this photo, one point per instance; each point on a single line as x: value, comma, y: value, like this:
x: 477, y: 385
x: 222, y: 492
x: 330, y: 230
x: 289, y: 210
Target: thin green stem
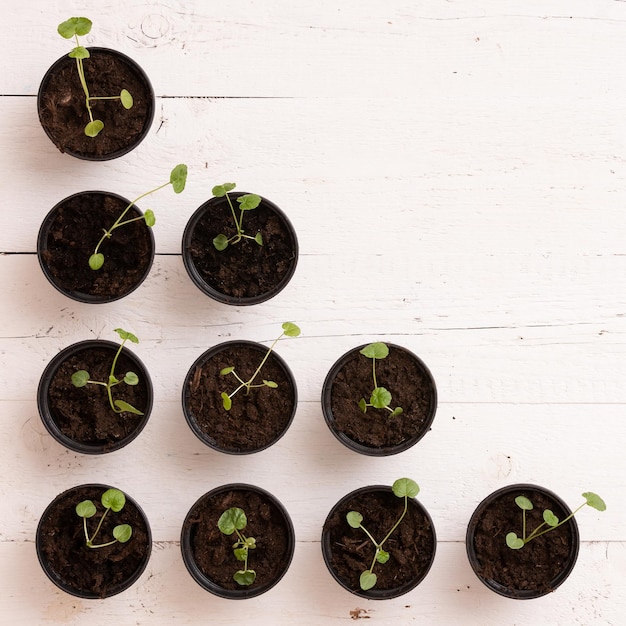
x: 536, y: 534
x: 103, y: 545
x: 90, y: 540
x: 374, y: 372
x: 267, y: 354
x: 111, y: 384
x: 406, y: 505
x: 524, y: 525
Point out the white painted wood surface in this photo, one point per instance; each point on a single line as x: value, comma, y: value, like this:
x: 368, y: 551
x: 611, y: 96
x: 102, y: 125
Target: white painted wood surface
x: 456, y: 174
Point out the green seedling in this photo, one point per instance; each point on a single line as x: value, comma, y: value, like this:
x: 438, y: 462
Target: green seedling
x: 231, y: 521
x: 402, y: 488
x: 289, y: 330
x: 80, y: 26
x: 112, y: 500
x: 80, y: 378
x: 247, y: 202
x: 380, y: 398
x: 178, y: 178
x: 550, y: 520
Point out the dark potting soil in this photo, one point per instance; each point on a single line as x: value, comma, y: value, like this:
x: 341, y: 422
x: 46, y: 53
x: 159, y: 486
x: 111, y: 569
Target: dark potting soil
x: 213, y: 551
x: 255, y: 420
x: 93, y: 571
x: 73, y: 235
x: 84, y: 414
x: 65, y: 115
x: 410, y: 388
x: 410, y: 546
x: 244, y: 269
x: 532, y: 567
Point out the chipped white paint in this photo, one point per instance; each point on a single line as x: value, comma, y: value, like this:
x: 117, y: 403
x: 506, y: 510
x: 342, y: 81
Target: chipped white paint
x: 456, y: 175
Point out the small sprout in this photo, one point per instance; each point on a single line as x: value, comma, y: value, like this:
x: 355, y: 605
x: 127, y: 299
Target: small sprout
x: 81, y: 26
x: 80, y: 378
x: 247, y: 202
x: 550, y: 520
x: 178, y: 178
x: 380, y: 398
x: 112, y: 500
x: 402, y: 488
x: 289, y: 330
x: 231, y: 521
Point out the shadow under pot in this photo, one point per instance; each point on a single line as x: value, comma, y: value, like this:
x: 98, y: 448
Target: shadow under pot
x: 63, y: 114
x: 82, y: 418
x: 348, y: 552
x: 378, y: 432
x: 209, y: 552
x: 92, y: 572
x: 255, y: 420
x: 537, y: 568
x: 68, y: 237
x: 244, y: 273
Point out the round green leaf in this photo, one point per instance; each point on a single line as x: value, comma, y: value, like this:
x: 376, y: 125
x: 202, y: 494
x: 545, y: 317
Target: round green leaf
x: 382, y: 556
x: 363, y: 405
x: 80, y: 378
x: 126, y: 99
x: 231, y: 519
x: 79, y: 52
x: 397, y: 411
x: 149, y: 218
x: 259, y: 238
x: 126, y: 336
x: 354, y: 519
x: 594, y: 500
x: 405, y: 487
x: 96, y: 261
x: 220, y: 191
x: 226, y: 401
x: 227, y: 370
x: 249, y: 201
x: 290, y: 329
x: 178, y: 177
x: 524, y: 503
x: 241, y: 554
x: 127, y: 408
x: 367, y: 580
x: 131, y: 378
x: 93, y: 128
x: 86, y: 508
x: 380, y: 398
x: 270, y: 383
x: 113, y: 499
x: 244, y: 577
x: 74, y: 26
x: 514, y: 542
x: 122, y: 532
x: 220, y: 242
x: 376, y: 350
x: 550, y: 518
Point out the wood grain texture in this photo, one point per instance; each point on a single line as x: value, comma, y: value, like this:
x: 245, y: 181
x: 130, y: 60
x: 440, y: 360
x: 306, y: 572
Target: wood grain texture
x: 455, y: 172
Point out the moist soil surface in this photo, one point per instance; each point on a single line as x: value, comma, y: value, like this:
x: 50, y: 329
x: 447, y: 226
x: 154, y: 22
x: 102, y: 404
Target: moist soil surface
x: 73, y: 234
x: 213, y: 551
x: 410, y: 388
x: 91, y: 571
x: 64, y: 114
x: 244, y: 269
x: 255, y: 420
x: 539, y: 562
x: 84, y: 414
x: 410, y: 546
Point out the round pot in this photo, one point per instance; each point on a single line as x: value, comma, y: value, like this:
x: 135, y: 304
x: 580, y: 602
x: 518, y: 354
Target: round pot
x: 542, y: 564
x: 63, y: 115
x: 82, y: 419
x: 348, y: 552
x: 69, y: 234
x: 91, y: 572
x: 374, y: 433
x: 208, y: 553
x: 244, y: 273
x: 255, y: 421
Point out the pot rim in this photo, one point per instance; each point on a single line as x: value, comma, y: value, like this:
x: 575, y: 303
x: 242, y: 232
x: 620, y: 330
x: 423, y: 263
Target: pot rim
x: 142, y: 76
x: 356, y: 446
x: 42, y: 245
x: 205, y: 357
x: 214, y: 293
x: 48, y: 419
x: 521, y: 594
x: 57, y: 580
x: 203, y: 580
x: 376, y: 594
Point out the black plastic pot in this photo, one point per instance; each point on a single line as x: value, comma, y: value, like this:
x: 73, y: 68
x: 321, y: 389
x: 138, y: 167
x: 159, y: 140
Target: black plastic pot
x: 360, y: 446
x: 207, y: 427
x: 59, y: 526
x: 58, y: 253
x: 334, y: 550
x: 197, y: 524
x: 52, y: 421
x: 202, y: 261
x: 508, y: 558
x: 105, y: 147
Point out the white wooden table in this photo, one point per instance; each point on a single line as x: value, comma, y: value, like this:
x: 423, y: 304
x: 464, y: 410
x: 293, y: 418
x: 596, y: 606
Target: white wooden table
x: 456, y: 173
